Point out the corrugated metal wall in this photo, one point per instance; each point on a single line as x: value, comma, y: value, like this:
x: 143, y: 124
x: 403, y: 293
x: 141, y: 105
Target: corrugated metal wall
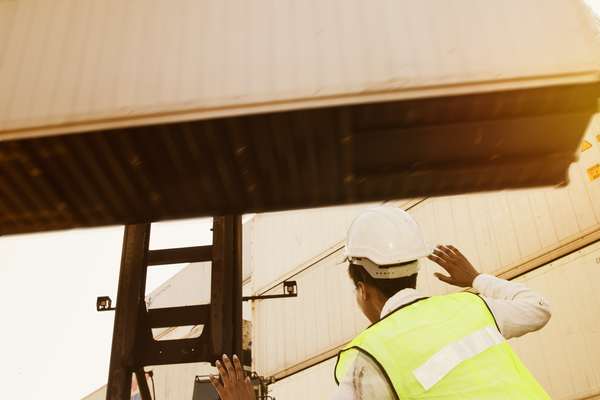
x: 177, y: 381
x: 302, y: 237
x: 99, y: 394
x: 8, y: 9
x: 283, y: 241
x: 323, y: 316
x: 190, y: 286
x: 67, y: 60
x: 564, y: 356
x: 314, y: 383
x: 497, y: 231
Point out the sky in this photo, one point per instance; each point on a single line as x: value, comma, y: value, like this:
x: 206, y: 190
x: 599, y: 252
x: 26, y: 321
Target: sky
x: 595, y: 5
x: 56, y: 345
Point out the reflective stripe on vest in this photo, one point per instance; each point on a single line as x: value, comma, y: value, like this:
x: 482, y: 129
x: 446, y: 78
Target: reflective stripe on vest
x: 445, y: 360
x: 443, y: 347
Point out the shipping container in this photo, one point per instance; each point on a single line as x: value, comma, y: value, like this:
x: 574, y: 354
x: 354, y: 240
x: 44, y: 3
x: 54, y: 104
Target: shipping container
x: 68, y: 65
x: 279, y: 105
x: 564, y: 356
x: 315, y: 382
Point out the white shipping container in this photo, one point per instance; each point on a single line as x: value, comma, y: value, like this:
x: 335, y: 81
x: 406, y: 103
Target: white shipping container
x: 564, y: 356
x: 284, y: 241
x: 103, y: 62
x: 287, y: 332
x: 501, y: 232
x: 177, y: 381
x: 99, y: 394
x: 313, y: 383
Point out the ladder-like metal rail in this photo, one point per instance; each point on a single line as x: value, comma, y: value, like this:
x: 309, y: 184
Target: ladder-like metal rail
x: 133, y: 345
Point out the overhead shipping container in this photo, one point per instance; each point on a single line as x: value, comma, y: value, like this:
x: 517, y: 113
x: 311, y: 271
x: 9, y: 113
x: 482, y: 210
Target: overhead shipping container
x: 503, y: 233
x: 69, y: 61
x: 226, y: 106
x: 563, y: 356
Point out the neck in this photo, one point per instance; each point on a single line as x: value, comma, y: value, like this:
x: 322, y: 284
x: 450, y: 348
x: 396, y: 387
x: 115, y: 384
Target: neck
x: 377, y: 302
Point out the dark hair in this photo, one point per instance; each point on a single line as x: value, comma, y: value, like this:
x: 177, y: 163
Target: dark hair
x: 388, y: 287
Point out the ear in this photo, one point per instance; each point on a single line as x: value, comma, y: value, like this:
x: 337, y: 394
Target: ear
x: 362, y: 290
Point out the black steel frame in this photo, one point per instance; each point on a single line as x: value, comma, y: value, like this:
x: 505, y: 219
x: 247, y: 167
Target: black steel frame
x: 133, y: 346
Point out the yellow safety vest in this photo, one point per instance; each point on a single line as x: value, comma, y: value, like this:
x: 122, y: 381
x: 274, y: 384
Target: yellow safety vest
x: 443, y: 347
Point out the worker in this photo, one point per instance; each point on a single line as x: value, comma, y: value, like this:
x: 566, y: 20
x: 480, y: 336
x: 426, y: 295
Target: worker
x: 441, y: 347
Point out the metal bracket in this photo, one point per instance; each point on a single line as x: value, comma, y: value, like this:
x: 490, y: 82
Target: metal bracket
x: 290, y: 289
x: 104, y: 303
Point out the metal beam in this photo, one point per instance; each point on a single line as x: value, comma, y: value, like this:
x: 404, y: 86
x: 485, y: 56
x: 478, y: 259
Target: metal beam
x: 180, y: 255
x: 140, y: 376
x: 130, y: 295
x: 269, y: 297
x: 218, y: 287
x: 237, y: 286
x: 176, y: 351
x: 226, y: 290
x: 178, y: 316
x: 545, y: 257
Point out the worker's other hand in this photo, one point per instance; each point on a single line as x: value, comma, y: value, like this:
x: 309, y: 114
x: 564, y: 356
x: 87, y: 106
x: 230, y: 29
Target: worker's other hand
x: 234, y: 384
x: 462, y: 273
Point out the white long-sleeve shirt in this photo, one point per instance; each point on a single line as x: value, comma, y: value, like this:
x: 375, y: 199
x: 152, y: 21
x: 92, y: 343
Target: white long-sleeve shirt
x: 517, y: 309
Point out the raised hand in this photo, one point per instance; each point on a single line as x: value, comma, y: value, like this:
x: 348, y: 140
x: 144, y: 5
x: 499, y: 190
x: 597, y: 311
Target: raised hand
x: 234, y: 384
x: 462, y: 273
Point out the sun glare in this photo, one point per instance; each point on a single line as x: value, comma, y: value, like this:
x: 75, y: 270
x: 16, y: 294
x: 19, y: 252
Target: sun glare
x: 595, y: 6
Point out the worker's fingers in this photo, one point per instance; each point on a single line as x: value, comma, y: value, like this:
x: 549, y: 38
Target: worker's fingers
x: 217, y: 385
x: 446, y: 248
x: 230, y: 369
x: 443, y: 253
x: 441, y: 261
x: 223, y: 372
x: 249, y: 389
x: 437, y: 259
x: 447, y: 252
x: 445, y: 278
x: 239, y: 371
x: 457, y: 252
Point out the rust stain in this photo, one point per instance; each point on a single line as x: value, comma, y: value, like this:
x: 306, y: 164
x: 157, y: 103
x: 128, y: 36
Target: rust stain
x: 594, y: 172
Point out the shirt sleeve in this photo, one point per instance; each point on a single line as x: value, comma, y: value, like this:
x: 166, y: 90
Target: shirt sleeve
x: 517, y: 309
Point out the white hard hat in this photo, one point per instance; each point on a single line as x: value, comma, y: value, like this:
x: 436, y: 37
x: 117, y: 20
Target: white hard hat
x: 386, y: 236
